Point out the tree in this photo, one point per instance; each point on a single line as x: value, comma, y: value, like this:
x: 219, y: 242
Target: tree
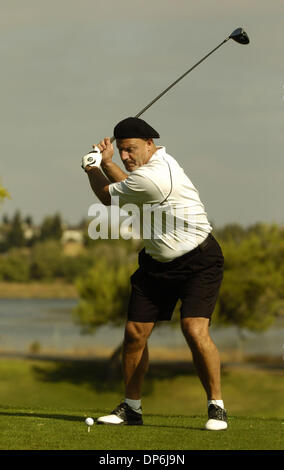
x: 104, y: 295
x: 3, y: 194
x: 3, y: 231
x: 104, y: 290
x: 5, y: 219
x: 51, y: 228
x: 15, y: 267
x: 252, y: 292
x: 46, y: 260
x: 16, y: 237
x: 233, y: 232
x: 29, y: 220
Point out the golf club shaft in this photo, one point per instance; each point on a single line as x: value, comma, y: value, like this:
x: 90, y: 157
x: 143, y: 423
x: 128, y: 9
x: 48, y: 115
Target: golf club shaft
x: 176, y: 81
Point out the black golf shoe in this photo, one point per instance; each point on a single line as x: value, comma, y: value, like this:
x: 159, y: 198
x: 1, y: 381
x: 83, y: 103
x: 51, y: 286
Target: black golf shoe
x: 217, y: 418
x: 122, y: 414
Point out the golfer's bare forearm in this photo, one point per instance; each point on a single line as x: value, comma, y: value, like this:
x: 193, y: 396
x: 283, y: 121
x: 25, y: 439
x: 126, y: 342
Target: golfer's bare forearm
x: 99, y: 184
x: 113, y: 172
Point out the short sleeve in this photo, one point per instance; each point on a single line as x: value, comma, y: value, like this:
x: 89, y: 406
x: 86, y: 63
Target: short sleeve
x: 135, y: 189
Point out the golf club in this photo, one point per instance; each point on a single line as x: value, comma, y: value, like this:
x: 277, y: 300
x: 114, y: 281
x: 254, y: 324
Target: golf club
x: 238, y: 35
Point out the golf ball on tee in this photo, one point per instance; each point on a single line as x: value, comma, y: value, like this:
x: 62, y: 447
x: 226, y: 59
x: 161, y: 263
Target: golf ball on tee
x: 89, y: 421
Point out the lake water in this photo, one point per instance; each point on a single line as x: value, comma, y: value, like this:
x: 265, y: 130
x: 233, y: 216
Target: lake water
x: 49, y: 323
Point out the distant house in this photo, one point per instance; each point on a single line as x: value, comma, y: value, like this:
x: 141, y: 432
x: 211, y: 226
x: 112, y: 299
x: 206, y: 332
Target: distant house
x: 29, y: 232
x: 72, y: 236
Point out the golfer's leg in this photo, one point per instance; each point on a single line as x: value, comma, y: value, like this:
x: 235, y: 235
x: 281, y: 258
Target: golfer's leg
x: 135, y: 357
x: 205, y: 354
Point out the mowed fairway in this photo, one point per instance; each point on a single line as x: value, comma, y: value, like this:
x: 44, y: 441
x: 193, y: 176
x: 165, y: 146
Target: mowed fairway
x: 43, y: 406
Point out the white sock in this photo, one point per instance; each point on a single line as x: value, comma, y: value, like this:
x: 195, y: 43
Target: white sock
x: 134, y: 404
x: 216, y: 402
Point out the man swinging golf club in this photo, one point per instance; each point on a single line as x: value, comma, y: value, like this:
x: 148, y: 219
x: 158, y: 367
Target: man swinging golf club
x: 183, y: 263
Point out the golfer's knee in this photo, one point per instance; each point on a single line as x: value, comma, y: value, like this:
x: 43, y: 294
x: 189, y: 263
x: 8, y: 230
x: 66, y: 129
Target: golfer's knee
x: 195, y: 330
x: 136, y: 334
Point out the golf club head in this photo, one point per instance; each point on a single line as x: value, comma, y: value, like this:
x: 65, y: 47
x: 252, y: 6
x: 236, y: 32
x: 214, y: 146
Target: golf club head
x: 240, y: 36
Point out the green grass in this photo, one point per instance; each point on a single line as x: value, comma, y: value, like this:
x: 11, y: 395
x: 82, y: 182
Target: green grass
x: 43, y: 406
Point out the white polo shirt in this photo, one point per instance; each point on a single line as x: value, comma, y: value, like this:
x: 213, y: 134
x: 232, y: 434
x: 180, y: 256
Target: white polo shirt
x: 172, y: 217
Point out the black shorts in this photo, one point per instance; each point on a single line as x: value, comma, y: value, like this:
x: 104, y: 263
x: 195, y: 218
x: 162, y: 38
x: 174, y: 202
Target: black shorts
x: 194, y: 278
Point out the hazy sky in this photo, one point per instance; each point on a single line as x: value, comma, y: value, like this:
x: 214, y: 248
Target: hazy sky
x: 70, y: 70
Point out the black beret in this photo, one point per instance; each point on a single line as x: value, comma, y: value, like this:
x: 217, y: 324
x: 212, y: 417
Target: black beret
x: 133, y: 127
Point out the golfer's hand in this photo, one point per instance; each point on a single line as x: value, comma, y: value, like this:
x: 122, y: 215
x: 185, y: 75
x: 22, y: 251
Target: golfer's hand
x: 106, y: 149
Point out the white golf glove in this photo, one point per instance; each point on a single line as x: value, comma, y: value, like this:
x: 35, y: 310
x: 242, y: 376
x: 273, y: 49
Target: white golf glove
x: 92, y: 158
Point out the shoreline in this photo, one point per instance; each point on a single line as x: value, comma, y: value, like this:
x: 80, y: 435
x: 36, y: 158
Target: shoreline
x: 179, y: 361
x: 38, y: 290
